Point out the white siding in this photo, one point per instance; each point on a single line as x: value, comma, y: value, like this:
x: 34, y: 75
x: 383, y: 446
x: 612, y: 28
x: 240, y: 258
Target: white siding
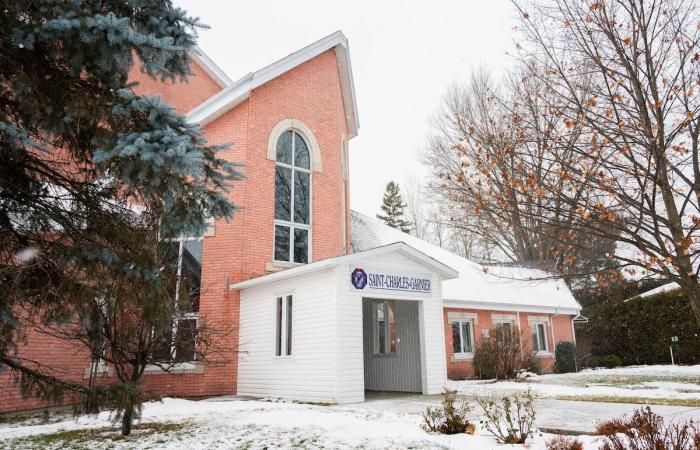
x: 327, y: 362
x: 349, y: 333
x: 310, y: 373
x: 351, y: 376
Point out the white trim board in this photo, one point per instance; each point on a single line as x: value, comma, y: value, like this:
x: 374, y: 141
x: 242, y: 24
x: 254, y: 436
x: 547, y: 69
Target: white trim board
x: 491, y: 306
x: 441, y: 269
x: 237, y: 92
x: 210, y: 67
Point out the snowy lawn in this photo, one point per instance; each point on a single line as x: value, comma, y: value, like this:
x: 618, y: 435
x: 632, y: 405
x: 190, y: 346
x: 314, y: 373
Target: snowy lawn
x: 660, y: 385
x: 384, y: 421
x: 235, y: 423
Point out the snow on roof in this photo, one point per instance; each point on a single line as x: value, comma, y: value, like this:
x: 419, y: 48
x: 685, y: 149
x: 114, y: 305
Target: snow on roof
x: 504, y: 287
x: 663, y: 289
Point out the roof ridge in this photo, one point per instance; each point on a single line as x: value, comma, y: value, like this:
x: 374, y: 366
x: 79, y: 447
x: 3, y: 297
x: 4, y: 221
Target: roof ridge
x: 238, y: 91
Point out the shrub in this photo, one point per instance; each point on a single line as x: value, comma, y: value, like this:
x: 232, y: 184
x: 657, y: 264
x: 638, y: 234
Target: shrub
x: 531, y: 363
x: 510, y: 419
x: 608, y: 361
x: 448, y: 418
x: 565, y: 357
x: 564, y: 443
x: 620, y: 327
x: 499, y: 355
x: 647, y: 430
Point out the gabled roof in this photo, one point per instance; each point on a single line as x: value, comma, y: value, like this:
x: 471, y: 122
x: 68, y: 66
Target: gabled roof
x: 404, y: 249
x: 237, y: 92
x: 477, y: 286
x: 210, y: 67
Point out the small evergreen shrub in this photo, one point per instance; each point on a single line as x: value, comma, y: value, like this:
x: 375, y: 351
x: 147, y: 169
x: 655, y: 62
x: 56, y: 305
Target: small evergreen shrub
x: 564, y: 443
x: 448, y: 418
x: 565, y: 357
x: 509, y: 419
x: 647, y: 430
x: 608, y: 361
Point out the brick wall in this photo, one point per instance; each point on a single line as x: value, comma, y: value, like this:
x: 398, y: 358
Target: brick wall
x: 458, y: 369
x: 239, y: 249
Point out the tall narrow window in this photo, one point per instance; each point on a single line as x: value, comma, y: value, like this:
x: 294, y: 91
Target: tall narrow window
x: 283, y: 325
x: 384, y: 325
x: 292, y: 199
x: 539, y: 337
x: 177, y: 343
x: 462, y: 332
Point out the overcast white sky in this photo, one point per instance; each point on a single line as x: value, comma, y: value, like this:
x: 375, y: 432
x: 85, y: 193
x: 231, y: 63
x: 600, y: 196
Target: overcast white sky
x: 404, y: 55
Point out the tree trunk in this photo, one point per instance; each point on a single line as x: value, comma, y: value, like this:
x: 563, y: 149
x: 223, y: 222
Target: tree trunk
x: 127, y: 418
x: 692, y: 293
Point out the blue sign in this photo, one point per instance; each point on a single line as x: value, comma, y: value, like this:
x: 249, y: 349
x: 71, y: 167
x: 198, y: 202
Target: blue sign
x: 389, y: 280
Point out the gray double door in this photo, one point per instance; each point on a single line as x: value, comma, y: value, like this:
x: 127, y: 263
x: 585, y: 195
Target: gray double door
x: 398, y: 370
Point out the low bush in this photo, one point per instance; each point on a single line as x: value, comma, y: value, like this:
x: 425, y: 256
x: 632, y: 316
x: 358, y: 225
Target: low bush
x: 532, y: 364
x: 608, y: 361
x: 499, y: 355
x: 565, y: 357
x: 564, y: 443
x: 646, y: 430
x: 509, y: 419
x: 448, y: 418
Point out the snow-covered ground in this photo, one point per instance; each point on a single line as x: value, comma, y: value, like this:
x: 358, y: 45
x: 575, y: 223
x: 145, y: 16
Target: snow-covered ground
x: 384, y: 421
x: 645, y: 382
x: 235, y: 423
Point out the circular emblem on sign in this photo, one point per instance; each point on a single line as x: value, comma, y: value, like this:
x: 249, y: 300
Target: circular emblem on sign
x: 358, y: 278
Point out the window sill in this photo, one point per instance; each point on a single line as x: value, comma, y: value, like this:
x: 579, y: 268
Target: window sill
x: 275, y: 266
x: 184, y: 367
x: 542, y: 354
x: 462, y: 356
x: 101, y: 371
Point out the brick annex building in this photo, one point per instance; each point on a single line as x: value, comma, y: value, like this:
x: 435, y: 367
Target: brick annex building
x: 326, y: 303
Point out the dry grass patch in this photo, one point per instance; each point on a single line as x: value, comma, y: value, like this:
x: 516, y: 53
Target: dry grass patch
x: 691, y: 402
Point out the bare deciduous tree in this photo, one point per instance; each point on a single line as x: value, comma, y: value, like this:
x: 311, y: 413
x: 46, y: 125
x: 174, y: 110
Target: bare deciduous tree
x: 626, y: 74
x: 492, y: 147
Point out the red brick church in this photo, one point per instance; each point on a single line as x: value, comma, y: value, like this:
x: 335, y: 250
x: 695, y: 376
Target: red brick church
x: 280, y: 273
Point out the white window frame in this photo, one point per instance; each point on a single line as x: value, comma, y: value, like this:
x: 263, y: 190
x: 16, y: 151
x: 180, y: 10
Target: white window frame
x: 290, y: 223
x: 188, y: 315
x: 534, y: 322
x: 462, y: 354
x: 282, y: 334
x: 537, y: 334
x: 375, y: 329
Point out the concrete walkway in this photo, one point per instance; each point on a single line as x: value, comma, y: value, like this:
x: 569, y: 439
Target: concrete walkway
x: 575, y: 416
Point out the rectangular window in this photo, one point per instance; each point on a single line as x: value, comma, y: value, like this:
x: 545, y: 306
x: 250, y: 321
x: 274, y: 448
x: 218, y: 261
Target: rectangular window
x: 506, y: 329
x: 283, y: 326
x: 178, y: 342
x: 539, y: 337
x: 283, y: 193
x: 301, y: 245
x: 384, y: 327
x: 462, y: 332
x: 281, y: 243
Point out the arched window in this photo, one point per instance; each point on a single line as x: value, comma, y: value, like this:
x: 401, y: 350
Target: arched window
x: 292, y: 199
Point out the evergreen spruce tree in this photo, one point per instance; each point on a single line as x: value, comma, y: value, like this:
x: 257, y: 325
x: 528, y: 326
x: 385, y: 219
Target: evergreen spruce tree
x: 393, y: 208
x: 91, y: 174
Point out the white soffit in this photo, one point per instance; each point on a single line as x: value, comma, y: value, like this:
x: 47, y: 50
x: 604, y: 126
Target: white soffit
x: 238, y: 91
x: 210, y: 67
